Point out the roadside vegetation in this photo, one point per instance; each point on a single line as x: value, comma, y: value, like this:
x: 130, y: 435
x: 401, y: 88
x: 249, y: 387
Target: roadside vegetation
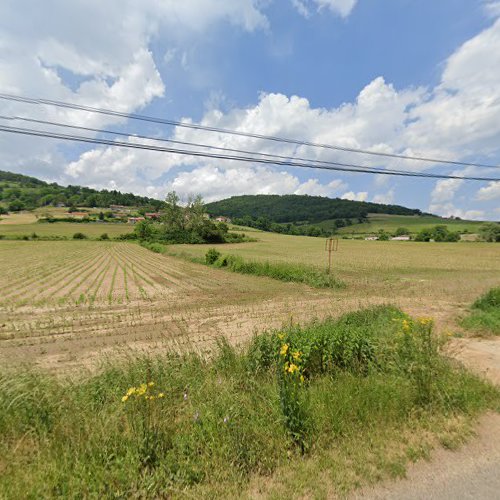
x: 484, y: 316
x: 371, y: 386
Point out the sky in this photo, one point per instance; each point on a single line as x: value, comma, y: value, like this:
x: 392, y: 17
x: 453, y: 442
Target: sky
x: 408, y: 77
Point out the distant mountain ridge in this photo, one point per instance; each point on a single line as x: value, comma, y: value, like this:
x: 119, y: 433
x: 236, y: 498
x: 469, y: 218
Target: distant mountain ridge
x: 293, y: 208
x: 22, y: 192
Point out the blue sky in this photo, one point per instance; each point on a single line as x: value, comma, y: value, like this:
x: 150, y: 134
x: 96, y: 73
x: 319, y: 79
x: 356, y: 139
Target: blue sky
x: 399, y: 76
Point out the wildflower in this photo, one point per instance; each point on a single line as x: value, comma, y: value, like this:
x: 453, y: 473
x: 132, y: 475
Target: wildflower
x: 185, y: 396
x: 284, y: 349
x: 296, y: 355
x: 124, y: 398
x: 406, y: 325
x: 196, y: 416
x: 281, y: 336
x: 226, y: 420
x: 302, y: 379
x: 292, y: 368
x: 151, y: 384
x: 131, y: 391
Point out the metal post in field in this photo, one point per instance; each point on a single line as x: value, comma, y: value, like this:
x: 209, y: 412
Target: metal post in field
x: 331, y: 245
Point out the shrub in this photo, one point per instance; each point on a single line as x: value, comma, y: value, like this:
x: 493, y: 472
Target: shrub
x: 79, y: 236
x: 104, y: 236
x: 211, y: 256
x: 489, y: 300
x: 485, y: 313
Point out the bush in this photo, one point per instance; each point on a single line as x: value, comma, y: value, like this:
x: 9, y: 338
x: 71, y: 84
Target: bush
x: 211, y: 256
x: 104, y: 236
x: 485, y: 313
x: 79, y: 236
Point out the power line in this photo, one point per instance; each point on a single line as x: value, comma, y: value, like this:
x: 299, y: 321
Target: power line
x: 185, y: 143
x: 134, y: 116
x: 339, y: 166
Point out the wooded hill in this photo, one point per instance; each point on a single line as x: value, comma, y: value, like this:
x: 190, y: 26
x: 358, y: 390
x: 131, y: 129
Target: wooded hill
x: 300, y: 208
x: 21, y: 192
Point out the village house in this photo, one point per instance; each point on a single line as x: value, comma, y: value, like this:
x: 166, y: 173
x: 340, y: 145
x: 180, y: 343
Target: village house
x: 152, y: 215
x: 221, y: 218
x: 135, y: 220
x: 403, y: 237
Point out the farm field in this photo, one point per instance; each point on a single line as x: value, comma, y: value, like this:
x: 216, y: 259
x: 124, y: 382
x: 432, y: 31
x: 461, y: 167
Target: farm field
x: 67, y: 229
x: 62, y: 304
x: 414, y: 224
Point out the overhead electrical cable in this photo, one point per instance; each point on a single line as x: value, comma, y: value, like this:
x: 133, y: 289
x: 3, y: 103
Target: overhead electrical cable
x: 343, y: 167
x: 184, y: 143
x: 134, y: 116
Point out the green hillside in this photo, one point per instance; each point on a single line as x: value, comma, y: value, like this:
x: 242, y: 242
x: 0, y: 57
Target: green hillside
x: 21, y: 192
x: 301, y: 208
x: 414, y: 224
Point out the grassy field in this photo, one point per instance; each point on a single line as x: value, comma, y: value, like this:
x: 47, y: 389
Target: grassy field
x: 66, y: 229
x: 414, y: 224
x: 359, y: 398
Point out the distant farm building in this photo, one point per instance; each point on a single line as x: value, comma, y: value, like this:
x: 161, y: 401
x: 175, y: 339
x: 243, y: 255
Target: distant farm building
x: 401, y: 238
x: 152, y: 215
x: 135, y: 220
x: 76, y: 215
x: 371, y: 238
x: 221, y: 218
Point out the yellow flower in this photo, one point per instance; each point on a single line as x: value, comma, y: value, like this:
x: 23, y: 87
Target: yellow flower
x: 406, y: 325
x: 425, y: 321
x: 296, y: 355
x: 284, y: 349
x: 292, y: 368
x: 150, y: 384
x: 131, y: 391
x: 281, y: 336
x: 124, y: 398
x: 302, y: 378
x: 161, y: 395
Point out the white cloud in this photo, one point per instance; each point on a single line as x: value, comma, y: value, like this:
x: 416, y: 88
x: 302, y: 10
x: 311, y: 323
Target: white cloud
x: 340, y: 7
x: 351, y: 195
x: 385, y: 198
x: 96, y: 54
x: 449, y: 210
x: 490, y: 192
x: 492, y: 8
x: 215, y: 183
x: 445, y: 190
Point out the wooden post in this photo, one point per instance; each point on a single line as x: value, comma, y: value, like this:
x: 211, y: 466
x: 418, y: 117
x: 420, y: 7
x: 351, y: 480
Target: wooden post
x: 331, y: 245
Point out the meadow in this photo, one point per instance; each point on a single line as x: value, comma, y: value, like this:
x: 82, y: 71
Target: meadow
x: 414, y: 224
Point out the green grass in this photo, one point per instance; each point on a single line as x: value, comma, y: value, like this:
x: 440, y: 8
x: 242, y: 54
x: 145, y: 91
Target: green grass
x: 390, y: 223
x: 282, y: 271
x: 225, y: 421
x: 65, y: 229
x: 484, y: 316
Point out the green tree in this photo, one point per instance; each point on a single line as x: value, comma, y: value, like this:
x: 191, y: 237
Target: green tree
x: 490, y: 232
